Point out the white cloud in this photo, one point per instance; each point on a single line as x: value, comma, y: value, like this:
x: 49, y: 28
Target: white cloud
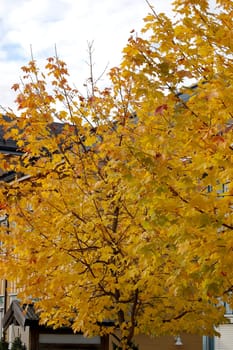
x: 69, y: 24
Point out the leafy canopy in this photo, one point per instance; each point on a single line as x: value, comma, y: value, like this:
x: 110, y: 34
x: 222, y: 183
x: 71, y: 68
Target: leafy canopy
x: 120, y: 220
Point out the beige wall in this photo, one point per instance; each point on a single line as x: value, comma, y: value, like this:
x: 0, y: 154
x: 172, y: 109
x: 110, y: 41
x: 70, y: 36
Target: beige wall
x: 11, y: 287
x: 16, y: 331
x: 190, y: 342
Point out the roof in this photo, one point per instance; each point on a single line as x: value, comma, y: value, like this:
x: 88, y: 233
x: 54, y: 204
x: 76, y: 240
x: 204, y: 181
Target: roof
x: 9, y: 146
x: 21, y: 315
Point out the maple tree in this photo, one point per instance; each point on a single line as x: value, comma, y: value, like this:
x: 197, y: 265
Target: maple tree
x: 120, y: 218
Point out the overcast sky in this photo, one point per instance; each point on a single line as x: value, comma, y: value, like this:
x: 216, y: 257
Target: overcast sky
x: 69, y: 24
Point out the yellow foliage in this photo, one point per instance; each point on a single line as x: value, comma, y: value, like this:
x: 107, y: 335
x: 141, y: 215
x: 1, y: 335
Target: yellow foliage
x: 126, y: 212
